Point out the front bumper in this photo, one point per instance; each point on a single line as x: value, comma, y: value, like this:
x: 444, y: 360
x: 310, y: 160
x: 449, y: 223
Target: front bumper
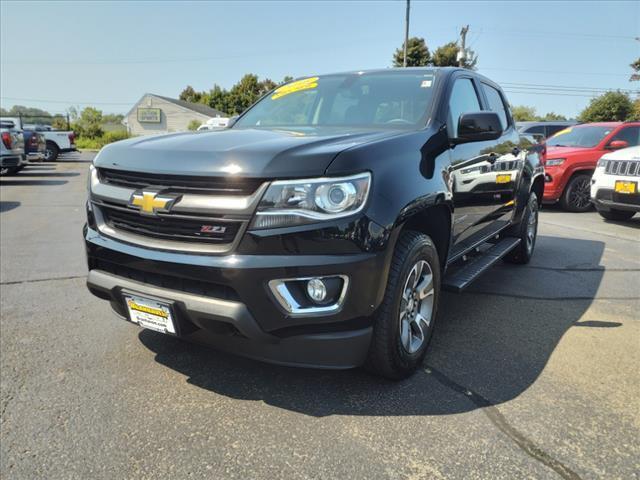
x: 606, y: 199
x: 225, y: 302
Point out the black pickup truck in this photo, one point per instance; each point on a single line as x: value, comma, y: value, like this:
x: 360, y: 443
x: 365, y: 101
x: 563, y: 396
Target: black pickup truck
x: 320, y: 227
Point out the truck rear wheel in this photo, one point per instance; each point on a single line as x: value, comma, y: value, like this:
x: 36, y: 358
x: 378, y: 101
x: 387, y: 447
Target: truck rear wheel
x: 576, y: 195
x: 527, y: 231
x: 51, y: 152
x: 404, y: 323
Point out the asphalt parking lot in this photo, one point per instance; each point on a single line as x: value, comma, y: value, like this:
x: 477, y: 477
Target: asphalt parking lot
x: 533, y: 373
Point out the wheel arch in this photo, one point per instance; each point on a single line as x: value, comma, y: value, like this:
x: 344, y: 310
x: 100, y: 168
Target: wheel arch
x: 434, y: 221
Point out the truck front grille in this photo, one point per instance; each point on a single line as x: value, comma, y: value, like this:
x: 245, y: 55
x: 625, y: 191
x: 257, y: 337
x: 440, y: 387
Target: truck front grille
x: 179, y: 183
x: 171, y: 226
x: 629, y: 168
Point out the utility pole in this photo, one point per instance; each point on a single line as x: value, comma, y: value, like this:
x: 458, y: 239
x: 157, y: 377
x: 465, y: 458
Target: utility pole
x: 406, y: 36
x: 462, y: 54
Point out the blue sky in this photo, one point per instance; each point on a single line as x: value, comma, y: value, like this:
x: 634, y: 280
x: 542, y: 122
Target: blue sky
x: 57, y: 54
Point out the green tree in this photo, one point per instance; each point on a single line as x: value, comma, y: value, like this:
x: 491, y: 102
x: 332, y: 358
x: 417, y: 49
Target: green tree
x: 417, y: 53
x: 89, y: 123
x: 190, y: 95
x: 522, y: 113
x: 608, y: 107
x: 447, y: 56
x: 635, y: 76
x: 193, y: 125
x: 244, y: 93
x: 635, y: 112
x: 28, y: 114
x: 59, y: 122
x: 552, y: 116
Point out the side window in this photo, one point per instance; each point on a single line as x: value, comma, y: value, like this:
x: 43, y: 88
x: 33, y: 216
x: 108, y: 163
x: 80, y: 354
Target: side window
x: 538, y: 129
x: 496, y: 104
x: 553, y: 129
x: 631, y: 135
x: 464, y: 99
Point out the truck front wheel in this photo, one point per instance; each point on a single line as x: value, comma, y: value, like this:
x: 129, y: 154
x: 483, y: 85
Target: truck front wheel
x: 51, y: 152
x: 404, y: 322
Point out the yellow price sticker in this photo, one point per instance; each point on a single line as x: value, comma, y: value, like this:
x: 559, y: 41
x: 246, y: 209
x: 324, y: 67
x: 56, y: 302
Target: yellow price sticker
x: 297, y: 86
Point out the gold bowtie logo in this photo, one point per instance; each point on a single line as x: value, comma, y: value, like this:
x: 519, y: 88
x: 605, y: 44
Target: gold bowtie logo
x: 150, y: 202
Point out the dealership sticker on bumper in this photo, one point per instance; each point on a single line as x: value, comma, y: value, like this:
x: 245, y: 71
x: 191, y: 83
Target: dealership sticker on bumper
x: 626, y: 187
x: 150, y: 314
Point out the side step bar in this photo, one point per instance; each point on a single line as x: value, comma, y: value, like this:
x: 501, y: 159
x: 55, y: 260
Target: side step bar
x: 462, y: 278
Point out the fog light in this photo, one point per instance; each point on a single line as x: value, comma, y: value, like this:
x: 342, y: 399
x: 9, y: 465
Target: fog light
x: 316, y: 290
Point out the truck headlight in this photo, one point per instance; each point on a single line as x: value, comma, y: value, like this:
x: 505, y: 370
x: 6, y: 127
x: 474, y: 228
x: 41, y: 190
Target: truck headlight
x: 297, y: 202
x: 554, y: 162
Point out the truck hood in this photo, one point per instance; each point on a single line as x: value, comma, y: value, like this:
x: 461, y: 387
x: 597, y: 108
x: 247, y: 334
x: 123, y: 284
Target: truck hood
x: 561, y: 152
x: 256, y: 153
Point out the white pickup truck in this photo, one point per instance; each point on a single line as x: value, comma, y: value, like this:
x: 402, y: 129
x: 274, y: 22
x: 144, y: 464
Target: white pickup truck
x: 58, y: 141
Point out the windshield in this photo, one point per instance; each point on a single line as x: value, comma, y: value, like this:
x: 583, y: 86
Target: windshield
x: 394, y: 99
x: 585, y: 136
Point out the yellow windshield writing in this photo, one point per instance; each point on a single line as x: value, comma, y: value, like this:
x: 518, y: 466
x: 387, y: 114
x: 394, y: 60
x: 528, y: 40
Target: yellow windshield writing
x: 297, y: 86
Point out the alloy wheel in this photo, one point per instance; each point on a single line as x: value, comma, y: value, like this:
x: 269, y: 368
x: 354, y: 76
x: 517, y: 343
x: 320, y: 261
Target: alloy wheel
x: 416, y: 307
x: 579, y: 196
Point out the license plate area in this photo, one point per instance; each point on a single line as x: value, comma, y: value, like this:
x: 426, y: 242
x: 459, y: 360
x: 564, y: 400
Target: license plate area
x: 503, y: 178
x: 152, y: 313
x: 626, y: 187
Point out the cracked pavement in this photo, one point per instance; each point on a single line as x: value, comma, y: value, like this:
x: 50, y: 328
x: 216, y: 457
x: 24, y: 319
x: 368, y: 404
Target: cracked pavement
x: 532, y: 373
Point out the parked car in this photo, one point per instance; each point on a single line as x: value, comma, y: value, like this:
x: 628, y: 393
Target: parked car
x: 543, y: 129
x: 57, y: 141
x: 34, y: 145
x: 216, y: 123
x: 12, y: 156
x: 614, y: 186
x: 319, y: 229
x: 572, y: 155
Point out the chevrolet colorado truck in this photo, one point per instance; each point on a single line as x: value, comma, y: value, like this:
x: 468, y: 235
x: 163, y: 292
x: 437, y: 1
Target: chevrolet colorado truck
x: 320, y: 227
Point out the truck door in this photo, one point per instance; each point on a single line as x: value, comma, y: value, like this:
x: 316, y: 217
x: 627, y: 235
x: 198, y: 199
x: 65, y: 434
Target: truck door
x: 482, y: 179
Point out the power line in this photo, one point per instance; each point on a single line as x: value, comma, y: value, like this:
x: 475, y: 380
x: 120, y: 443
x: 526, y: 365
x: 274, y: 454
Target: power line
x: 69, y: 102
x: 558, y: 88
x: 555, y: 71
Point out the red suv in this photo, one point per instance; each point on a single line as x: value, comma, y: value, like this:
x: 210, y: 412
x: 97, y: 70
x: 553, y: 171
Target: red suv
x: 572, y: 155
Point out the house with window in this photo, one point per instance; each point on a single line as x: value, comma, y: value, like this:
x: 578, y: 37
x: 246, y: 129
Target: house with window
x: 154, y: 114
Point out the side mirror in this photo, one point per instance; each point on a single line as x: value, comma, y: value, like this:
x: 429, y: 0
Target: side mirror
x: 617, y: 145
x: 478, y: 127
x: 232, y: 121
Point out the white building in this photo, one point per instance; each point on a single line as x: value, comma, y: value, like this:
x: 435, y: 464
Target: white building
x: 154, y: 114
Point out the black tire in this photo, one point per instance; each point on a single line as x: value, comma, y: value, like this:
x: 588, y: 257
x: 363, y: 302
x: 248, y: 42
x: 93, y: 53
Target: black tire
x: 6, y: 171
x: 527, y: 232
x: 618, y: 215
x: 577, y: 193
x: 390, y: 354
x: 51, y: 152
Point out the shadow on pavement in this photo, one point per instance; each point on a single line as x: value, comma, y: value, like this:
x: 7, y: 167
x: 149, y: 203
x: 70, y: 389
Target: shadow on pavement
x: 6, y: 206
x: 494, y: 340
x: 39, y: 173
x: 32, y: 182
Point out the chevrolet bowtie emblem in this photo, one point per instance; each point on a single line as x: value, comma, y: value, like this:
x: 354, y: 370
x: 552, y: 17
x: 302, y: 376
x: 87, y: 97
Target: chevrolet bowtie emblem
x: 150, y: 202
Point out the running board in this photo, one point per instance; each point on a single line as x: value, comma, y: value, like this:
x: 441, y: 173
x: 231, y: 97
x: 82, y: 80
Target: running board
x: 462, y: 278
